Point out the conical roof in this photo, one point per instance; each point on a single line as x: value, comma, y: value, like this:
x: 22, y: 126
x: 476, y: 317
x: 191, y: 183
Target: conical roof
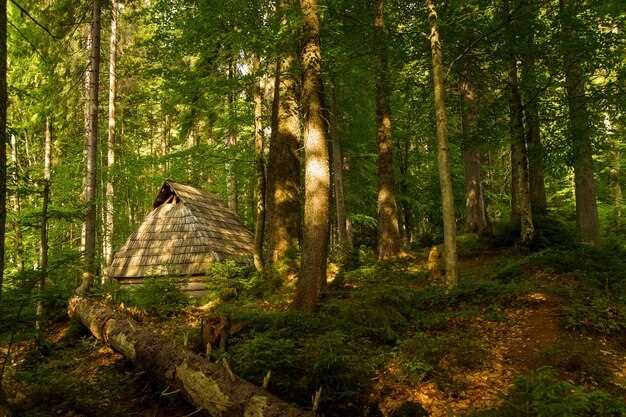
x: 187, y: 231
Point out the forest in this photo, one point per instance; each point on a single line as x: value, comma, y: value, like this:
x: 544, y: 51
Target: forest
x: 369, y: 208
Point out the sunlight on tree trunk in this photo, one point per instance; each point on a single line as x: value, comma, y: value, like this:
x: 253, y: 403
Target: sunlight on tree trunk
x: 389, y: 242
x: 92, y: 143
x: 316, y: 167
x: 443, y: 151
x: 17, y: 208
x: 231, y: 141
x: 587, y: 223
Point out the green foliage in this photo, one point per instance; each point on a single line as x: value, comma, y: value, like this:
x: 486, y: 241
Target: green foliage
x: 541, y: 394
x: 597, y: 313
x: 578, y: 357
x: 158, y: 296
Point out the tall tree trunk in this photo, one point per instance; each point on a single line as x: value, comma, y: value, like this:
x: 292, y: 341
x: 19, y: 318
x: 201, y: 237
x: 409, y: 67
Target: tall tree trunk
x: 316, y: 167
x: 3, y: 139
x: 615, y: 172
x: 231, y: 140
x: 92, y: 143
x: 86, y: 104
x: 389, y: 242
x: 283, y: 176
x: 17, y: 208
x: 476, y: 220
x: 587, y: 222
x: 110, y: 194
x: 259, y: 226
x: 519, y: 160
x: 43, y: 243
x: 337, y: 160
x: 443, y: 151
x: 538, y: 201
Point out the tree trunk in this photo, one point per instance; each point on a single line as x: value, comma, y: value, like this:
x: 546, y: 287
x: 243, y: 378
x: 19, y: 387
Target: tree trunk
x: 316, y: 167
x: 283, y: 176
x: 587, y: 222
x: 206, y: 385
x: 3, y: 138
x: 519, y: 161
x: 92, y: 143
x: 538, y: 201
x: 389, y: 242
x: 443, y: 152
x: 43, y: 243
x: 259, y: 227
x: 110, y: 194
x: 476, y: 219
x: 337, y: 160
x: 17, y: 207
x: 231, y: 140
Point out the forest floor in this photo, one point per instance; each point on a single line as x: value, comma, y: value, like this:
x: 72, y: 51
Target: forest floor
x: 385, y: 342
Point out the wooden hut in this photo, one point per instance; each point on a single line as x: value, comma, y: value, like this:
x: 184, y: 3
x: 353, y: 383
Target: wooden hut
x: 185, y: 233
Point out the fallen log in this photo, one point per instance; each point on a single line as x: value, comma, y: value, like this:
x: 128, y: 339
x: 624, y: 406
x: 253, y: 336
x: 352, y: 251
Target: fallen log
x: 206, y: 385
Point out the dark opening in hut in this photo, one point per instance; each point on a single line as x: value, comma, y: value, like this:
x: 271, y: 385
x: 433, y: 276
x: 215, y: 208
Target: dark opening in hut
x: 185, y: 233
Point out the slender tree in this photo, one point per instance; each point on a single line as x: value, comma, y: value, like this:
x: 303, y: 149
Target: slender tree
x: 316, y: 167
x: 389, y: 242
x: 283, y: 176
x: 3, y: 141
x: 337, y: 171
x: 43, y: 241
x: 231, y: 140
x: 443, y: 151
x: 259, y: 226
x: 587, y: 223
x: 110, y: 194
x: 17, y: 207
x: 92, y: 143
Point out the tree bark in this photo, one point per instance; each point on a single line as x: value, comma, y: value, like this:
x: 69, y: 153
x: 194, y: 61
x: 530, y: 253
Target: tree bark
x: 91, y: 154
x: 587, y: 222
x: 476, y: 219
x: 3, y: 139
x: 206, y: 385
x: 110, y: 193
x: 259, y: 226
x: 337, y: 164
x: 389, y: 242
x: 283, y: 176
x: 43, y: 243
x: 443, y: 152
x: 316, y: 167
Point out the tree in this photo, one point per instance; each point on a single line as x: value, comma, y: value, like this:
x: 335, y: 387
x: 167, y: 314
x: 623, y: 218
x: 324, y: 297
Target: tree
x: 91, y: 137
x: 337, y: 174
x: 316, y: 167
x: 476, y: 219
x: 283, y: 176
x: 43, y: 242
x: 443, y: 151
x: 587, y: 223
x: 4, y: 102
x: 389, y: 243
x: 110, y: 194
x: 259, y: 228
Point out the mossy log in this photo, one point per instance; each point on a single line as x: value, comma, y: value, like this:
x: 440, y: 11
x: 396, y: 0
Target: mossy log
x: 206, y: 385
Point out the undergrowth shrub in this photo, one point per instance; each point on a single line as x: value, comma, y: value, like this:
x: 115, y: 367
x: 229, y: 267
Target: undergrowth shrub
x: 578, y: 357
x: 542, y: 394
x: 157, y: 296
x: 597, y: 313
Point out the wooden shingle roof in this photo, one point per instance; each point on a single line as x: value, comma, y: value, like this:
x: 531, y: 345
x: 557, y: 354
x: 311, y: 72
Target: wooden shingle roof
x: 186, y: 232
